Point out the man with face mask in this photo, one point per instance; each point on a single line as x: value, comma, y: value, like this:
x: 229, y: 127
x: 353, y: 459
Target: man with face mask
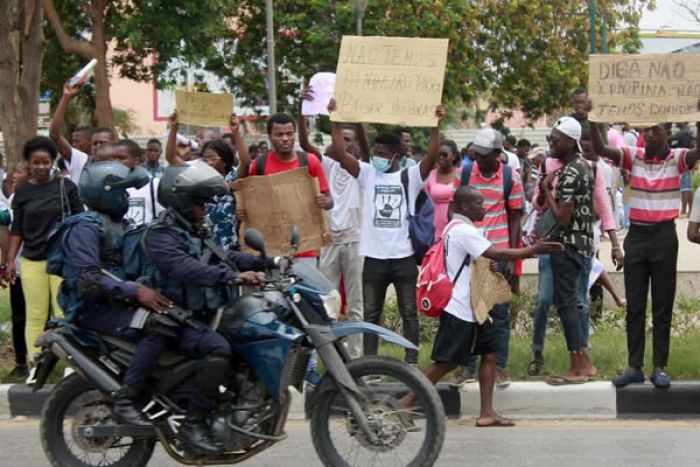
x: 384, y: 236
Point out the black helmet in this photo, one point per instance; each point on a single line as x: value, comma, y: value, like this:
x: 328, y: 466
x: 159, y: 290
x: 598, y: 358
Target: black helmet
x: 103, y: 186
x: 183, y: 185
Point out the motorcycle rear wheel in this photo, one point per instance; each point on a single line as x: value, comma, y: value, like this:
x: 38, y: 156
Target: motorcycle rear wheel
x: 74, y: 401
x: 339, y: 441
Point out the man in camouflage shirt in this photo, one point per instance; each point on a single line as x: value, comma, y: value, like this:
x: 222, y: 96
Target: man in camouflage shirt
x: 572, y: 211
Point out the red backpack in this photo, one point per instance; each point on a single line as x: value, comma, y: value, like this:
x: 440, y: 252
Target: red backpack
x: 434, y: 287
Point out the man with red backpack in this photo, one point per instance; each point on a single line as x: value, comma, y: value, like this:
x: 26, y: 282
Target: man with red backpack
x: 459, y: 336
x: 502, y: 189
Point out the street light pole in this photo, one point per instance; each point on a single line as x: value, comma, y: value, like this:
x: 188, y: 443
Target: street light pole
x: 360, y: 7
x: 271, y: 80
x: 592, y: 19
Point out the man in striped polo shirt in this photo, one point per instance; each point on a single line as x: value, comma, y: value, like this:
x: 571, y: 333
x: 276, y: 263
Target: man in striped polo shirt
x: 651, y: 246
x: 501, y: 226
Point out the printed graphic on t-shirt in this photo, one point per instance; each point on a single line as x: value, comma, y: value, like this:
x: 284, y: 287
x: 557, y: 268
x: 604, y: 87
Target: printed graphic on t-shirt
x: 387, y: 206
x: 137, y: 211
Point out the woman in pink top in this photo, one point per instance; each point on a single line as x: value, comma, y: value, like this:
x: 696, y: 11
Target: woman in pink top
x: 442, y: 182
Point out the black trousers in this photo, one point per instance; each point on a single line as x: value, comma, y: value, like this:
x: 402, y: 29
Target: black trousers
x: 567, y: 266
x: 193, y: 343
x: 651, y: 255
x: 19, y: 321
x: 377, y: 274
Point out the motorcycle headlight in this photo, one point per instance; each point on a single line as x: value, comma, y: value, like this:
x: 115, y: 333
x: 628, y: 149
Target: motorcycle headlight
x: 332, y: 303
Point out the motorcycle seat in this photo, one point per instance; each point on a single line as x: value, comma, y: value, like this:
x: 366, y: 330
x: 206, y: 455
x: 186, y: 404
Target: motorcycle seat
x: 166, y: 359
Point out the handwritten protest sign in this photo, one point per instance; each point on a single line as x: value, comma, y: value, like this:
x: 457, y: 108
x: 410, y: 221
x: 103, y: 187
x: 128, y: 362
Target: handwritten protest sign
x: 203, y: 108
x: 394, y: 80
x: 324, y: 86
x: 644, y: 89
x: 274, y: 203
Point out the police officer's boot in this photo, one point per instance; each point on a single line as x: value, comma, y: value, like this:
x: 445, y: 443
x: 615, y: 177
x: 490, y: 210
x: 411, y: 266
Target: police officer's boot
x: 124, y: 407
x: 197, y: 435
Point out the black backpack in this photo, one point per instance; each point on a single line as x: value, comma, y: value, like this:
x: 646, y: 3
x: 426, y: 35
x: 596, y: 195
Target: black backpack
x: 262, y: 160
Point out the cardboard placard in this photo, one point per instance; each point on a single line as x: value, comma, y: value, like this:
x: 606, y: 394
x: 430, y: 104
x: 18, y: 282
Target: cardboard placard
x: 274, y: 203
x: 204, y: 108
x: 644, y: 89
x: 323, y: 84
x: 394, y: 80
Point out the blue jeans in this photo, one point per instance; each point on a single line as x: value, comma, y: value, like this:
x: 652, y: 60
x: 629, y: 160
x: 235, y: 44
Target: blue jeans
x: 585, y: 308
x: 545, y: 298
x: 500, y: 314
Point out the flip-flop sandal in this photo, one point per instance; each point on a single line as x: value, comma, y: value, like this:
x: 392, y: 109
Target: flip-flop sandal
x: 498, y: 422
x: 563, y: 380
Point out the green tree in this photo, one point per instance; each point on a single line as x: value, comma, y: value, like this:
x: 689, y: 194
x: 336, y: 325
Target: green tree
x: 149, y: 37
x: 515, y: 54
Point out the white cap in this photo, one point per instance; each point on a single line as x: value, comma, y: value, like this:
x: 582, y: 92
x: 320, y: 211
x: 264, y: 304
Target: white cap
x: 487, y: 140
x: 571, y: 128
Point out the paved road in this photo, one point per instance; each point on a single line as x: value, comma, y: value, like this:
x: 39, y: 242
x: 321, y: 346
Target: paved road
x: 536, y: 444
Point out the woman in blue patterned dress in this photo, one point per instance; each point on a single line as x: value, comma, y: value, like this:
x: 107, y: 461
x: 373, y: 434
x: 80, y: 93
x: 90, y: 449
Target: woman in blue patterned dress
x: 222, y: 212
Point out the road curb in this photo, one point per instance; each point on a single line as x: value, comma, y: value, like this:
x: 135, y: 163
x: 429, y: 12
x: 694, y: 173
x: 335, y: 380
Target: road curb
x: 682, y: 398
x: 595, y: 400
x: 523, y: 400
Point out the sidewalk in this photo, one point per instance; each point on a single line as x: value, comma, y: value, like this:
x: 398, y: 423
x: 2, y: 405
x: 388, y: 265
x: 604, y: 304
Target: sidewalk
x: 520, y: 400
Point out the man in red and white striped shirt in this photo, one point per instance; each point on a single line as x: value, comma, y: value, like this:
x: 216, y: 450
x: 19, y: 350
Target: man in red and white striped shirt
x: 651, y: 246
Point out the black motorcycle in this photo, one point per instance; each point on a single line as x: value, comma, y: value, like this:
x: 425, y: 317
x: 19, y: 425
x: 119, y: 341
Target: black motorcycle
x: 359, y: 414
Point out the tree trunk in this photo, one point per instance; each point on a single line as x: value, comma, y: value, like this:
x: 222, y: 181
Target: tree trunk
x: 103, y: 103
x: 21, y: 57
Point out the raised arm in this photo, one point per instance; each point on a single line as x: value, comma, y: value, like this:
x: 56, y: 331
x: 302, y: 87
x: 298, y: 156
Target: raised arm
x: 427, y: 164
x: 602, y: 149
x: 171, y: 146
x: 306, y: 95
x: 363, y: 142
x: 693, y: 155
x: 61, y: 143
x: 241, y: 148
x: 347, y: 161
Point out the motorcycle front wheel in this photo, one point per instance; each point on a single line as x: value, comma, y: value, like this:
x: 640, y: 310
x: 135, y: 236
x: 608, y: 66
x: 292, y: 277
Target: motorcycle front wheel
x: 74, y: 402
x: 402, y: 407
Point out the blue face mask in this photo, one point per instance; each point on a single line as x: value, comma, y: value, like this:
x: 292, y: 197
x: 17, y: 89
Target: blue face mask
x: 381, y: 164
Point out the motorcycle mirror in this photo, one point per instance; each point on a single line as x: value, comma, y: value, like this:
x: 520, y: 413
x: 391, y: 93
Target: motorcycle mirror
x: 255, y: 241
x: 295, y: 236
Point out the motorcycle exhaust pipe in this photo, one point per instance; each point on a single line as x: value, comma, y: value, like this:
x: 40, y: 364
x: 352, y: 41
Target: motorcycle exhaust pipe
x: 83, y: 364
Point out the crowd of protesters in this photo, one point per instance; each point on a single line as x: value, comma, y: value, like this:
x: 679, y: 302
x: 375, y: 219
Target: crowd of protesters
x: 508, y: 195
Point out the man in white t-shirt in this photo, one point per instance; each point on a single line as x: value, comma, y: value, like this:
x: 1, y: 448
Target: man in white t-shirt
x: 84, y: 140
x: 342, y: 259
x: 459, y: 335
x: 384, y: 236
x: 509, y: 157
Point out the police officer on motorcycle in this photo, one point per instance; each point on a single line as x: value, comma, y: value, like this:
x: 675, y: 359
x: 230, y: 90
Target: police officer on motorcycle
x: 94, y: 294
x: 193, y: 272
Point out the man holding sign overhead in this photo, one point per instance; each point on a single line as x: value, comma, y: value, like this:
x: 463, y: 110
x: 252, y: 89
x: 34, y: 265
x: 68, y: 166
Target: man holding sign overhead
x: 651, y: 246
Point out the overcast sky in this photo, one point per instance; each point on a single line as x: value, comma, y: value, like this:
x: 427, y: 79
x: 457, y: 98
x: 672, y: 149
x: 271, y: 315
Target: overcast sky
x: 668, y: 13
